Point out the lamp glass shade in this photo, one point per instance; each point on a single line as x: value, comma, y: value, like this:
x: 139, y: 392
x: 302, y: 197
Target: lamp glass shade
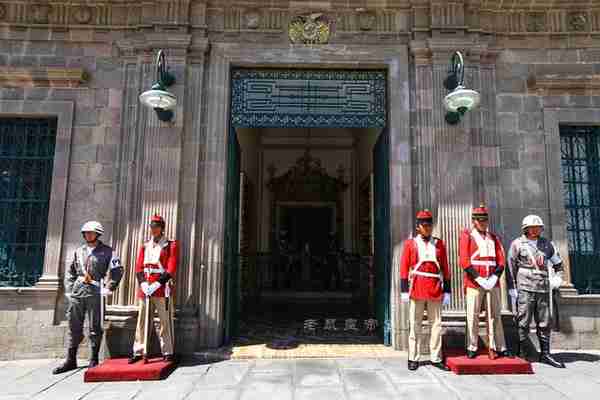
x: 461, y: 100
x: 155, y: 98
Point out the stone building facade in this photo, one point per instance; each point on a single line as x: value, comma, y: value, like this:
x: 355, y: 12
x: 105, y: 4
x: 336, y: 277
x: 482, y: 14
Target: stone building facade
x: 536, y: 64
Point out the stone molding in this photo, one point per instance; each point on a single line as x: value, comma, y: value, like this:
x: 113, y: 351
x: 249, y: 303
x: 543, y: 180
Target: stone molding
x: 438, y: 51
x: 554, y: 84
x: 63, y: 110
x: 412, y: 17
x: 42, y: 77
x: 553, y: 118
x: 29, y: 292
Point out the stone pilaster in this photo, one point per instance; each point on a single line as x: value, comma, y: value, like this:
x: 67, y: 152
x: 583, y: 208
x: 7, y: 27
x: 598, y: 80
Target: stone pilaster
x: 191, y: 272
x: 126, y: 229
x: 454, y: 162
x: 149, y: 160
x: 211, y: 294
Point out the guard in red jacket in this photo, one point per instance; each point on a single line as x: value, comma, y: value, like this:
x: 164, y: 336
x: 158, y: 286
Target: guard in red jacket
x: 482, y: 258
x: 425, y: 282
x: 155, y: 269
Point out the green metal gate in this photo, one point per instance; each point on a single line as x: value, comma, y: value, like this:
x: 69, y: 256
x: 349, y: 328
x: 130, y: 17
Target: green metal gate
x: 232, y: 221
x: 580, y: 165
x: 318, y: 98
x: 26, y: 161
x: 382, y: 256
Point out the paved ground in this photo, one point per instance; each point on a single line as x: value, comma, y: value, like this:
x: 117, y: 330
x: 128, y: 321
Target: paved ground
x: 313, y: 379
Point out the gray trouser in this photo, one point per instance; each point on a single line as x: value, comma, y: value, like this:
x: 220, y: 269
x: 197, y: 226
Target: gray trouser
x: 79, y: 307
x: 533, y: 305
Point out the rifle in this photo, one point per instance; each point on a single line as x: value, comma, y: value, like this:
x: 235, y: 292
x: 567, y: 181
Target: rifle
x: 553, y: 314
x: 146, y: 328
x: 102, y: 304
x: 171, y: 316
x: 491, y: 339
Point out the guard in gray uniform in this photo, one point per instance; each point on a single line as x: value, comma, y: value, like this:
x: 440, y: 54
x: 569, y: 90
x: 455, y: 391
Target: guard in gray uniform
x: 535, y: 269
x: 84, y: 279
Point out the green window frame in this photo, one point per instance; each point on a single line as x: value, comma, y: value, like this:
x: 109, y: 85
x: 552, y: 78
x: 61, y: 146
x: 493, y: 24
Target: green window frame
x: 580, y: 168
x: 27, y: 148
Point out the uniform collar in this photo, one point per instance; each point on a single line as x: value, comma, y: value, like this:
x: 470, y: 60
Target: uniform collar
x: 85, y: 246
x: 426, y: 240
x: 163, y: 241
x: 525, y: 238
x: 483, y: 234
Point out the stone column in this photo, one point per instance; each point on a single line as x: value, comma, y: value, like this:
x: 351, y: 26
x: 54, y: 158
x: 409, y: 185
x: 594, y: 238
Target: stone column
x: 486, y: 147
x: 457, y: 165
x: 401, y: 194
x: 445, y: 180
x: 191, y: 273
x: 211, y: 296
x: 149, y: 163
x: 125, y: 227
x: 150, y: 155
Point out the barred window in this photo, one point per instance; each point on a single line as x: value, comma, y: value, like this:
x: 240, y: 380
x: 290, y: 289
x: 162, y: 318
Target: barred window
x: 26, y: 161
x: 580, y: 167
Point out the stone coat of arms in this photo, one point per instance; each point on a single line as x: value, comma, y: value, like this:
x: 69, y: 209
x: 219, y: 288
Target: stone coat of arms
x: 310, y: 29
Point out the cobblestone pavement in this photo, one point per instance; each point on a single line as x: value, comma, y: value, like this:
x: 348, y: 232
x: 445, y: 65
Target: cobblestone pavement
x: 299, y: 379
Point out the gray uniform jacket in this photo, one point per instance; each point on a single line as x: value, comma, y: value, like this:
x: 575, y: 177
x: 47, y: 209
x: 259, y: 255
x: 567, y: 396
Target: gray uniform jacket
x: 528, y: 264
x: 100, y: 262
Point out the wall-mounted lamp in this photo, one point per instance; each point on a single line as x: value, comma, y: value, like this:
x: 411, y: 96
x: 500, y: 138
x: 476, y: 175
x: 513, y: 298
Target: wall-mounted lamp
x: 158, y: 98
x: 459, y: 100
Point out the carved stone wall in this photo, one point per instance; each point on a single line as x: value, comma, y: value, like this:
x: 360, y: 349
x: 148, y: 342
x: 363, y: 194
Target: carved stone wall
x: 535, y: 63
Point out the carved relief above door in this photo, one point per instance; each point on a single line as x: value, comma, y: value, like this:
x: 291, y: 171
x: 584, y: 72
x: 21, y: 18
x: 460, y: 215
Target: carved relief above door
x: 307, y: 181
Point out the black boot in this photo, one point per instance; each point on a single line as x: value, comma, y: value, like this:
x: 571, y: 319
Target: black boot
x: 94, y: 357
x: 522, y: 349
x: 440, y: 365
x: 506, y: 353
x: 69, y: 364
x: 471, y: 354
x: 546, y: 357
x: 134, y: 358
x: 412, y: 365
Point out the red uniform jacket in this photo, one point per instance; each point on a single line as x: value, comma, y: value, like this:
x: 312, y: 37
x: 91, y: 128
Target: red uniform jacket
x: 169, y: 253
x: 469, y: 256
x: 424, y: 287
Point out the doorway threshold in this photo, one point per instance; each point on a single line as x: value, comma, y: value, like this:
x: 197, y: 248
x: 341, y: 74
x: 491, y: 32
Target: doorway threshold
x: 262, y: 351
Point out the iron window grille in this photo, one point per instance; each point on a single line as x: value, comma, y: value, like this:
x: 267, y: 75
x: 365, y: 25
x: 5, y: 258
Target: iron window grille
x: 26, y: 159
x: 580, y: 167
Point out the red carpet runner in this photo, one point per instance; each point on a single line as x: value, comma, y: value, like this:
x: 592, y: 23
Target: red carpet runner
x: 460, y: 364
x: 117, y: 369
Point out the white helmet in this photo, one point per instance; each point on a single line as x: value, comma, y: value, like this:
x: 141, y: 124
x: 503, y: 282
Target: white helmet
x: 92, y: 226
x: 532, y: 220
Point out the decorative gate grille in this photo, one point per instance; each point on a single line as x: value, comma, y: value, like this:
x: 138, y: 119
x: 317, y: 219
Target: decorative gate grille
x: 26, y: 160
x: 308, y: 98
x: 580, y: 165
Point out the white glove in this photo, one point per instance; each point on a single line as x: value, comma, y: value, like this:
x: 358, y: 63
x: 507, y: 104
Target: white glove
x: 513, y: 293
x: 144, y: 286
x: 481, y: 282
x: 446, y: 299
x: 404, y: 297
x: 152, y: 288
x: 556, y: 281
x: 492, y: 280
x: 104, y: 291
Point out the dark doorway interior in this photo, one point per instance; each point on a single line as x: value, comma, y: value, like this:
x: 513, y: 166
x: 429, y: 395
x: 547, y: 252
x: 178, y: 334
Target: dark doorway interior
x: 308, y: 227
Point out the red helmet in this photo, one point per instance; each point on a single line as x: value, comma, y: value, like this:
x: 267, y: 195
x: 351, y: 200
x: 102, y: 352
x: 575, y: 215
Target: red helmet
x: 157, y: 220
x: 480, y: 212
x: 424, y: 216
